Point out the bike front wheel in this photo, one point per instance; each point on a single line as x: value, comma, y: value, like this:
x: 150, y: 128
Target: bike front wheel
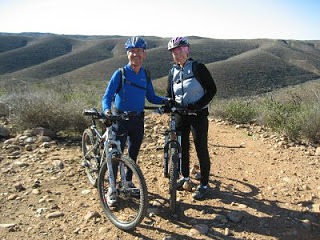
x: 173, y: 178
x: 91, y: 155
x: 129, y: 206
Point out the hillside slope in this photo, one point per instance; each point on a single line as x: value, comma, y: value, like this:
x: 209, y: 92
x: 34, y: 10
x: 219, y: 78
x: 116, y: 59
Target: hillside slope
x: 239, y: 67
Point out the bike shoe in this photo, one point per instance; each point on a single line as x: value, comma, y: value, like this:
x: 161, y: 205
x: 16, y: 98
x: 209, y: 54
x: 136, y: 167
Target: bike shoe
x: 201, y: 192
x: 112, y: 198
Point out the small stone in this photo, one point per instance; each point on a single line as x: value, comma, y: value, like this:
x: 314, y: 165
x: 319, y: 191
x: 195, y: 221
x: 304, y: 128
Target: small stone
x: 19, y: 187
x: 7, y: 225
x: 235, y: 216
x: 12, y: 196
x: 55, y: 215
x: 103, y: 230
x: 201, y: 228
x: 153, y: 211
x: 85, y: 191
x: 306, y: 224
x: 28, y: 147
x: 36, y: 191
x: 91, y: 215
x: 187, y: 185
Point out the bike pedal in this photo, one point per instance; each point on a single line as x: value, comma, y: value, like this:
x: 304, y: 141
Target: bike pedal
x: 85, y: 164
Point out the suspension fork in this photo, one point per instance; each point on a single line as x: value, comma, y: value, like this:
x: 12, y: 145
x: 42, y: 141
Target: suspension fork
x: 166, y: 153
x: 168, y: 144
x: 111, y: 154
x: 179, y: 152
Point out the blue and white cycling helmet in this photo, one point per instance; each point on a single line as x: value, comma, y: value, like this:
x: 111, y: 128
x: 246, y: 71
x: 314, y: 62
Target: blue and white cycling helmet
x: 135, y: 42
x: 178, y: 42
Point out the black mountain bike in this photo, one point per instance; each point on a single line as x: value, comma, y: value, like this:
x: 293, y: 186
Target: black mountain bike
x: 172, y: 151
x: 106, y: 169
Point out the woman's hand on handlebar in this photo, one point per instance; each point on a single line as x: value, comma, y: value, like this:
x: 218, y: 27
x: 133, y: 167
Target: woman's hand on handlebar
x: 168, y: 104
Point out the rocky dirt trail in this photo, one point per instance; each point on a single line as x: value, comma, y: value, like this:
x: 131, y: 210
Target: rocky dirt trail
x: 263, y: 187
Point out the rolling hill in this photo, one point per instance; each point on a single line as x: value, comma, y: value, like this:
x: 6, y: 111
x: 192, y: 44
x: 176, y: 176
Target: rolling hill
x: 239, y: 67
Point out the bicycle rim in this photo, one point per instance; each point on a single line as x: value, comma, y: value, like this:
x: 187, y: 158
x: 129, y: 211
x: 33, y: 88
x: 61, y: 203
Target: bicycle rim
x: 130, y: 207
x: 173, y: 177
x: 90, y: 151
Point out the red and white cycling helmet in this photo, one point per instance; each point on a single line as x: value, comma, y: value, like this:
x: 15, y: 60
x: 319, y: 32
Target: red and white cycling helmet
x: 178, y: 42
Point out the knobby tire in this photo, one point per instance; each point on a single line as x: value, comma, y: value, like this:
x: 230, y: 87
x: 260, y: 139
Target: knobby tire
x: 90, y: 151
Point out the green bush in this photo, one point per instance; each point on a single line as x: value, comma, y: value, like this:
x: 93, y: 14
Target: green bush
x: 310, y: 122
x: 288, y: 114
x: 236, y: 110
x: 293, y: 126
x: 283, y: 116
x: 50, y: 109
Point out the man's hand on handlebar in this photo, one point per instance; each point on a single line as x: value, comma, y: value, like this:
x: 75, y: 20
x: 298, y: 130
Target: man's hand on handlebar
x: 107, y: 112
x: 107, y: 121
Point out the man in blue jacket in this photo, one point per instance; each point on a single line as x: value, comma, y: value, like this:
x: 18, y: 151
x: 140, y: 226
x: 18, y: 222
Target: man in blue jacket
x: 128, y: 95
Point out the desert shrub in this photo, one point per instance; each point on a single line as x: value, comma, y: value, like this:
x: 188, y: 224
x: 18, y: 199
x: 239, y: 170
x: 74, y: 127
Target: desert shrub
x: 217, y: 108
x: 293, y: 126
x: 297, y: 118
x: 38, y: 110
x: 49, y: 109
x: 310, y: 122
x: 236, y: 110
x: 282, y: 115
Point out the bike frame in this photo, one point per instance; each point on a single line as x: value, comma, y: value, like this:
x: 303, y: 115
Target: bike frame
x: 111, y: 149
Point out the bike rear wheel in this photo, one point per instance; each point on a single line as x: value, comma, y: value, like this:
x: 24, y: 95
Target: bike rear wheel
x: 91, y: 155
x: 130, y: 207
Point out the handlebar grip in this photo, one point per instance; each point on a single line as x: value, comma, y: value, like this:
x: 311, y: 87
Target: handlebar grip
x: 151, y: 107
x: 91, y: 112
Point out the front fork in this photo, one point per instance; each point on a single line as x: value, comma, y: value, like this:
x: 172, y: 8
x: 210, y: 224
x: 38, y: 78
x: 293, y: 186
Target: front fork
x: 112, y: 154
x: 174, y: 141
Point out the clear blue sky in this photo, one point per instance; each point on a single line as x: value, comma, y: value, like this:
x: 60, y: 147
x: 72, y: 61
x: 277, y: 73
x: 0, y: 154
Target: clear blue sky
x: 222, y: 19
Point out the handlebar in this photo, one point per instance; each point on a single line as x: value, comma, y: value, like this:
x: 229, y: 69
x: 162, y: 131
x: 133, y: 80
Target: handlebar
x: 172, y: 109
x: 101, y: 116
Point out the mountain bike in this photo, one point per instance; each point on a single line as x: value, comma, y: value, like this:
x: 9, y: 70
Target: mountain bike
x: 106, y: 168
x: 172, y: 151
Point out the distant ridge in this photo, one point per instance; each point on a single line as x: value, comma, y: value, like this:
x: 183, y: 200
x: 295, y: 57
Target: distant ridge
x: 239, y: 67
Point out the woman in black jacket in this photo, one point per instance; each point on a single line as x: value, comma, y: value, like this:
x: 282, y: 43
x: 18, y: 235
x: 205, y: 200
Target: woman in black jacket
x: 191, y: 85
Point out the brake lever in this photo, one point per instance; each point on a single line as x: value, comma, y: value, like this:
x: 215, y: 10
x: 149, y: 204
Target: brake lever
x: 125, y: 115
x: 159, y: 110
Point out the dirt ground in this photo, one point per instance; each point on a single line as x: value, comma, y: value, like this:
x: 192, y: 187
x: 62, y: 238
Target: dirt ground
x: 262, y: 187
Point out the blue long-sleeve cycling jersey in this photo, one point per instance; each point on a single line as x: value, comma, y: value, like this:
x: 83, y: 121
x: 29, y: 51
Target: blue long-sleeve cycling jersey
x: 130, y: 97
